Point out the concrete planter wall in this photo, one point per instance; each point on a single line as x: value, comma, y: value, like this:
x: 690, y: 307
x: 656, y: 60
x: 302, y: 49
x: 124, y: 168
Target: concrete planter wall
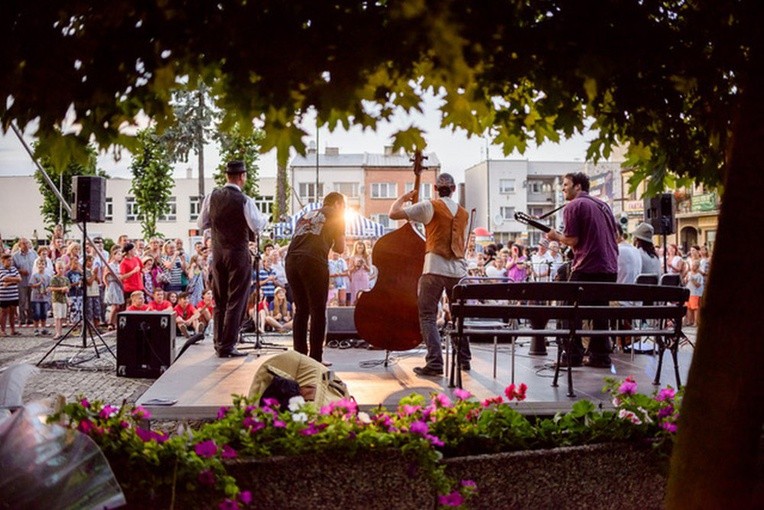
x: 601, y: 476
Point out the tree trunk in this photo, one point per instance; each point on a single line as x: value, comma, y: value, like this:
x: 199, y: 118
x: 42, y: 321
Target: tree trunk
x: 281, y: 193
x: 200, y: 142
x: 715, y: 462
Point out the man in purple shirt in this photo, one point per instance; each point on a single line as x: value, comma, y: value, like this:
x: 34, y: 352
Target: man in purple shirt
x: 591, y: 231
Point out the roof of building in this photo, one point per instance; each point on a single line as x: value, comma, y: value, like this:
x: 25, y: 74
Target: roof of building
x: 360, y: 160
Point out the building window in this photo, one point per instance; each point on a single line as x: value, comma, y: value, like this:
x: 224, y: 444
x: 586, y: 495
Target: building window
x: 131, y: 209
x: 537, y: 211
x: 195, y: 207
x: 264, y: 204
x: 384, y: 190
x: 384, y: 220
x: 172, y: 211
x: 349, y: 189
x: 535, y: 187
x: 109, y: 209
x: 508, y: 213
x: 506, y: 186
x: 307, y: 190
x: 425, y: 190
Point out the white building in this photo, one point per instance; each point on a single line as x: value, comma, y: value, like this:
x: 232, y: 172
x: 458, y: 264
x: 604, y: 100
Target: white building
x: 21, y: 200
x: 496, y: 189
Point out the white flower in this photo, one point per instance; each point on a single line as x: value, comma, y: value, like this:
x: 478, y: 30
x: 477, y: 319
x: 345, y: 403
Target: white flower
x: 628, y: 415
x: 295, y: 403
x: 300, y: 417
x: 646, y: 415
x: 616, y: 401
x: 364, y: 417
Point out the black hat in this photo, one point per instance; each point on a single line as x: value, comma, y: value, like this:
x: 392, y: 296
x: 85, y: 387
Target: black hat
x: 236, y: 167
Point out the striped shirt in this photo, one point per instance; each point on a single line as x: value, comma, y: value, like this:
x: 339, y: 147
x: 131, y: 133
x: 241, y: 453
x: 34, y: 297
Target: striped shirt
x: 9, y: 292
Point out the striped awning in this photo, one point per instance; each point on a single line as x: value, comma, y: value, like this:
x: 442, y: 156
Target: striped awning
x: 357, y: 228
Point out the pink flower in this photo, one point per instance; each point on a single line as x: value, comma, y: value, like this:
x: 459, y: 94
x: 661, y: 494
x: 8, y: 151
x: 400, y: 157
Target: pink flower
x: 669, y: 427
x: 469, y: 483
x: 228, y: 504
x: 139, y: 413
x: 665, y: 394
x: 419, y: 427
x: 85, y: 403
x: 85, y: 426
x: 462, y: 394
x: 124, y: 424
x: 310, y: 430
x: 453, y: 499
x: 206, y: 449
x: 442, y: 400
x: 222, y: 412
x: 434, y: 440
x: 664, y: 412
x: 245, y: 497
x: 144, y: 434
x: 206, y: 477
x: 228, y: 452
x: 491, y: 401
x: 408, y: 410
x: 252, y: 424
x: 628, y: 387
x: 108, y: 411
x: 516, y: 393
x: 279, y: 424
x: 159, y: 437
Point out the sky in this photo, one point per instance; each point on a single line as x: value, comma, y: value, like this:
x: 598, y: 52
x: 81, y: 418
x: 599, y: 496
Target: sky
x: 455, y: 150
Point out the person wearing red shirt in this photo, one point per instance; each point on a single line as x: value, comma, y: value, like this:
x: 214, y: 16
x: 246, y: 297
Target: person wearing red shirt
x: 206, y: 308
x: 137, y: 302
x: 159, y: 304
x: 130, y: 271
x: 186, y: 316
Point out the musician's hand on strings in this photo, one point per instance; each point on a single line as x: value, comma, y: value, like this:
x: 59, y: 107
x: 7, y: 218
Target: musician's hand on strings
x: 554, y: 235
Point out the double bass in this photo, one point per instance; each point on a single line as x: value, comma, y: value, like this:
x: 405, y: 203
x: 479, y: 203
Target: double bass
x: 387, y: 316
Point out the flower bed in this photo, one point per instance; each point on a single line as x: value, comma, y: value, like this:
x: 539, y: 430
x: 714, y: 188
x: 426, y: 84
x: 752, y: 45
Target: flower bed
x: 420, y: 455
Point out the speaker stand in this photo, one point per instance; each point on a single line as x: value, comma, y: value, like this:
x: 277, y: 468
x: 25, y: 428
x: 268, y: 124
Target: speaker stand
x: 87, y: 326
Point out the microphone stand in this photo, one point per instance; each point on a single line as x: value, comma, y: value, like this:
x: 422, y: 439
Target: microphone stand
x: 259, y: 345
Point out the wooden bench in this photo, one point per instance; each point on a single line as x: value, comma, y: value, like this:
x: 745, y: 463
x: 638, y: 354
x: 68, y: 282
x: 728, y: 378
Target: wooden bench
x: 525, y: 309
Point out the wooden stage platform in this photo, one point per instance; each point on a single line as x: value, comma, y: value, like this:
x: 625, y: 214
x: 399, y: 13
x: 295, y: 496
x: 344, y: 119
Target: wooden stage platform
x: 199, y: 383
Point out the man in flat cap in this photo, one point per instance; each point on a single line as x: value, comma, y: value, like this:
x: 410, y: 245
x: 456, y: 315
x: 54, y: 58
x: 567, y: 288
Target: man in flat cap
x: 231, y: 215
x: 446, y: 224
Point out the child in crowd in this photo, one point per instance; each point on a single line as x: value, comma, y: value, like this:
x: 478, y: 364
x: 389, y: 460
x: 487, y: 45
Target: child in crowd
x: 159, y: 303
x: 59, y: 288
x: 149, y: 277
x: 75, y: 275
x: 206, y: 308
x: 695, y: 284
x: 40, y: 282
x: 9, y: 294
x: 93, y: 301
x: 281, y: 310
x: 186, y: 316
x: 137, y: 302
x: 113, y: 294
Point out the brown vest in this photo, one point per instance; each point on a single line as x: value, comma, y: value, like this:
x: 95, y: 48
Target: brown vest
x: 445, y: 233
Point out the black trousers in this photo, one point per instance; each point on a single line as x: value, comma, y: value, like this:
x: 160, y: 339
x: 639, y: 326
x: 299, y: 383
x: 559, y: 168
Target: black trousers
x: 231, y: 276
x: 599, y: 347
x: 308, y: 279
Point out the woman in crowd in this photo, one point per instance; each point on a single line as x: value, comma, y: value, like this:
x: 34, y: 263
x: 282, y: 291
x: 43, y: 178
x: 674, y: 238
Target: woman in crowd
x: 643, y: 240
x: 113, y: 294
x: 195, y: 286
x: 676, y: 264
x: 174, y: 262
x: 359, y: 271
x: 516, y: 266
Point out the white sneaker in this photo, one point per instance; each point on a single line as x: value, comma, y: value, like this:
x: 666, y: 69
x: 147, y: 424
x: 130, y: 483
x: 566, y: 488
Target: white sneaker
x: 36, y: 332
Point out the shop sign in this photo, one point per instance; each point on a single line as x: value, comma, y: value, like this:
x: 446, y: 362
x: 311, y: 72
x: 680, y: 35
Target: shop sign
x: 703, y: 203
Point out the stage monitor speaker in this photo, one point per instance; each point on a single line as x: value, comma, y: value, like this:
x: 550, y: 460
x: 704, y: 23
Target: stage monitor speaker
x: 660, y: 212
x: 340, y: 323
x: 89, y: 198
x: 145, y: 343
